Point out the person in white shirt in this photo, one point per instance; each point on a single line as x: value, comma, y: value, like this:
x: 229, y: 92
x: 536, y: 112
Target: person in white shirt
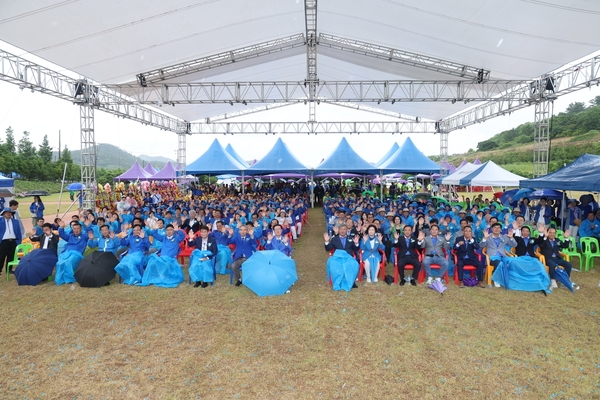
x: 14, y: 206
x: 48, y: 240
x: 10, y: 236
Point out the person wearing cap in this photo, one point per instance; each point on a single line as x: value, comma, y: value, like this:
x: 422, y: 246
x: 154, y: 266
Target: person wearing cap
x: 10, y: 236
x: 406, y: 218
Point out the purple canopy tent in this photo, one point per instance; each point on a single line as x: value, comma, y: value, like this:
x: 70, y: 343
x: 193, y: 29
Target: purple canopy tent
x: 135, y: 173
x: 168, y: 173
x: 150, y: 169
x: 462, y: 164
x: 477, y: 161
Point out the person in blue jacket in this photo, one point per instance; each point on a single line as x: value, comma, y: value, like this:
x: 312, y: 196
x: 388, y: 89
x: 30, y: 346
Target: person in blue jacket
x: 107, y: 242
x: 37, y: 210
x: 245, y: 246
x: 68, y: 261
x: 590, y: 227
x: 164, y: 270
x: 277, y: 241
x: 131, y: 266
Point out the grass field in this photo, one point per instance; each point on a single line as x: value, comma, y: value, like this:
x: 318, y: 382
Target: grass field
x: 222, y: 342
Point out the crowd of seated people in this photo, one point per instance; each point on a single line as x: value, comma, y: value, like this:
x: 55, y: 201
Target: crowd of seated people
x: 433, y: 237
x: 150, y: 239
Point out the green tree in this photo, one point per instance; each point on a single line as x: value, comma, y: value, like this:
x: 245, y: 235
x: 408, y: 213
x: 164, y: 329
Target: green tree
x: 575, y: 108
x: 10, y: 145
x: 45, y: 151
x: 26, y: 147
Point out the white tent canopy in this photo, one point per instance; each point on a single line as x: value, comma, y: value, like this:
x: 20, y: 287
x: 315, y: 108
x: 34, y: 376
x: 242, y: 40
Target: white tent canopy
x: 112, y: 41
x: 491, y: 174
x: 456, y: 176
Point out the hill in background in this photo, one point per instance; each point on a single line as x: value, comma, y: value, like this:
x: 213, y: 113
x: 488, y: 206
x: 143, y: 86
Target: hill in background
x: 572, y: 133
x: 112, y: 157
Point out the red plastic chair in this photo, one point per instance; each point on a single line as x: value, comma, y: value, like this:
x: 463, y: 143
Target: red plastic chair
x: 407, y: 267
x: 382, y: 265
x: 471, y: 268
x: 422, y: 272
x: 185, y: 251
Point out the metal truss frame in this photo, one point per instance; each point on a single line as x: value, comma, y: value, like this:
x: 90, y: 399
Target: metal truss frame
x: 29, y: 75
x: 311, y: 127
x: 344, y: 91
x: 541, y: 136
x: 221, y: 59
x: 549, y: 86
x: 88, y: 152
x: 404, y: 57
x: 375, y: 110
x: 310, y: 21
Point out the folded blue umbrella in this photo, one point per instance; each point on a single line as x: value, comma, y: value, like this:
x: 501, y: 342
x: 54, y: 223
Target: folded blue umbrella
x: 562, y: 277
x: 269, y: 273
x: 35, y: 266
x: 342, y: 268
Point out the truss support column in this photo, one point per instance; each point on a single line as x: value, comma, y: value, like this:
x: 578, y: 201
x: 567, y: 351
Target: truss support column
x: 88, y: 155
x: 310, y: 14
x: 541, y: 136
x: 182, y: 150
x: 443, y: 153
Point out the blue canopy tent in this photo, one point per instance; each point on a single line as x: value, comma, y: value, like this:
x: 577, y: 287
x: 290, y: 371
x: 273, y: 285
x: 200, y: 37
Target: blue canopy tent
x: 278, y: 159
x: 387, y: 155
x: 345, y: 159
x: 216, y: 161
x: 583, y: 174
x: 229, y: 149
x: 7, y: 187
x: 408, y: 159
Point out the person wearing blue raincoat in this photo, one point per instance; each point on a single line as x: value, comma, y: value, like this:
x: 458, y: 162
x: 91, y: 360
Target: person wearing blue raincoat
x: 164, y: 270
x: 68, y: 261
x: 107, y: 242
x: 277, y: 241
x: 371, y: 245
x: 131, y: 266
x: 223, y: 259
x: 202, y: 259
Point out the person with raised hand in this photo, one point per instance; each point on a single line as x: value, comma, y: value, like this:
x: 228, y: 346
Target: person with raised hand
x: 371, y: 245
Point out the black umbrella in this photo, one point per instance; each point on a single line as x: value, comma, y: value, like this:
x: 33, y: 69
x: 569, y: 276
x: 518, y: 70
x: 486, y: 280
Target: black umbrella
x: 96, y: 269
x: 37, y: 193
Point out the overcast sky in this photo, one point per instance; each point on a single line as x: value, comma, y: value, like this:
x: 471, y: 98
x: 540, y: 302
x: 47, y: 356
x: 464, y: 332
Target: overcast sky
x: 42, y: 114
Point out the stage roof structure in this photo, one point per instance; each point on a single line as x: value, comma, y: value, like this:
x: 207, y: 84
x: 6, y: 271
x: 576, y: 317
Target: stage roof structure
x: 424, y: 67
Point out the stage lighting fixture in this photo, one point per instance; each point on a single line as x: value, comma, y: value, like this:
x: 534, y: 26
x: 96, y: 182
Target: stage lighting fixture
x: 231, y: 103
x: 378, y: 101
x: 393, y: 101
x: 453, y: 101
x: 244, y: 103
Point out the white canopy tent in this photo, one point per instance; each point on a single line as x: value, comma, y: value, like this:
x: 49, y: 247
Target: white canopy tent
x: 491, y: 174
x: 457, y: 175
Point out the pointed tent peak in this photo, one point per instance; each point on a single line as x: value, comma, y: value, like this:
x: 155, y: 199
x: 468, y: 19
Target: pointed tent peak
x: 135, y: 173
x: 462, y: 164
x: 215, y: 161
x: 278, y: 159
x: 387, y: 155
x: 491, y: 174
x: 168, y: 173
x: 408, y: 158
x: 150, y: 169
x: 229, y: 149
x: 345, y: 159
x: 477, y: 161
